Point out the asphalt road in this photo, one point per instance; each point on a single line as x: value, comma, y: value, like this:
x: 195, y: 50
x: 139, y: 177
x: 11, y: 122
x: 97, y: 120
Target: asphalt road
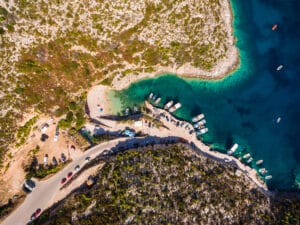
x: 46, y: 190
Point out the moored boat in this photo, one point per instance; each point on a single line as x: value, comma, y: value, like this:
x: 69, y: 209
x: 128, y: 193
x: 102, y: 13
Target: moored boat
x: 279, y: 67
x: 200, y: 123
x: 274, y: 27
x: 278, y: 120
x: 247, y: 156
x: 168, y: 105
x: 258, y: 162
x: 263, y: 171
x: 249, y: 160
x: 233, y: 149
x: 157, y: 100
x: 175, y: 107
x: 202, y: 131
x: 197, y: 118
x: 268, y: 177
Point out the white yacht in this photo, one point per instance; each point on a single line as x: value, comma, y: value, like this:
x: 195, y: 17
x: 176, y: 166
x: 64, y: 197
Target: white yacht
x: 279, y: 67
x: 278, y: 120
x: 197, y: 118
x: 175, y: 107
x: 200, y: 123
x: 263, y: 171
x: 157, y: 100
x: 247, y: 156
x: 258, y: 162
x: 168, y: 105
x: 249, y: 160
x: 268, y: 177
x: 233, y: 149
x: 202, y: 131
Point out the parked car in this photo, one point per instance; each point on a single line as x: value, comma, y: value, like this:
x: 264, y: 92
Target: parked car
x: 69, y: 175
x: 44, y: 137
x: 105, y: 152
x: 88, y: 158
x: 227, y: 160
x: 28, y: 185
x: 36, y: 214
x: 63, y: 180
x: 63, y: 157
x: 77, y: 168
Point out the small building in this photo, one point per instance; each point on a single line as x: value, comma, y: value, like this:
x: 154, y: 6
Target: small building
x: 138, y: 123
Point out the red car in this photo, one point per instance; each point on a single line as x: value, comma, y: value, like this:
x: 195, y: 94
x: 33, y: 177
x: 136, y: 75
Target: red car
x: 69, y: 174
x: 36, y: 214
x: 63, y: 180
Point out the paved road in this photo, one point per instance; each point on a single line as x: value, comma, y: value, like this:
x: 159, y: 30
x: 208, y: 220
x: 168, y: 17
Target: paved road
x: 46, y: 190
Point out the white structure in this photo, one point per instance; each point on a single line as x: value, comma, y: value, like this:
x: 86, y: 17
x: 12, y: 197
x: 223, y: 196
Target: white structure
x: 138, y: 123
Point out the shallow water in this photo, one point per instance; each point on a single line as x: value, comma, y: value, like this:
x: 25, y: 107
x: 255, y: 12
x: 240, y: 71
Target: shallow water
x: 243, y: 108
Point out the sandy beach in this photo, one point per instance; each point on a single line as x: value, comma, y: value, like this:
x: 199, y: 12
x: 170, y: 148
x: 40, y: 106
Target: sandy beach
x: 98, y: 101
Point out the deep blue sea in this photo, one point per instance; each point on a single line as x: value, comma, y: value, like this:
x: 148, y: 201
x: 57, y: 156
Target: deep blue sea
x: 243, y: 108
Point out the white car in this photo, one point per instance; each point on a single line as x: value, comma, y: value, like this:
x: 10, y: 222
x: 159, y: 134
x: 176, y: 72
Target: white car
x: 77, y: 168
x: 55, y: 139
x: 227, y: 160
x: 88, y: 158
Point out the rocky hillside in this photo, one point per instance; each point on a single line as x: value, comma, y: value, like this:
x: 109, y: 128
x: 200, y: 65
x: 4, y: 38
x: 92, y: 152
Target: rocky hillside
x: 169, y: 185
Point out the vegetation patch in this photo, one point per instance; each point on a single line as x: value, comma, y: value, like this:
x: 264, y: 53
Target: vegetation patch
x: 24, y: 131
x: 34, y: 169
x: 169, y: 186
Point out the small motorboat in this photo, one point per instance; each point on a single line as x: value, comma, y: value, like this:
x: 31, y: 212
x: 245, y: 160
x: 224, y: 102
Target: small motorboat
x: 279, y: 67
x: 275, y: 26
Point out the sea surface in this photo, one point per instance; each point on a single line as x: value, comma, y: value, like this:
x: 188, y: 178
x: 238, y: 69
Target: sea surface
x: 244, y: 107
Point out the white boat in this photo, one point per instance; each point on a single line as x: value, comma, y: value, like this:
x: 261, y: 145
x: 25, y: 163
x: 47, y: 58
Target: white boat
x: 157, y: 100
x: 175, y: 107
x: 258, y: 162
x: 202, y: 131
x: 247, y: 156
x: 233, y: 149
x: 279, y: 67
x: 249, y: 160
x: 278, y: 120
x: 197, y: 118
x: 268, y: 177
x: 151, y: 95
x: 168, y: 105
x: 200, y: 123
x: 263, y: 171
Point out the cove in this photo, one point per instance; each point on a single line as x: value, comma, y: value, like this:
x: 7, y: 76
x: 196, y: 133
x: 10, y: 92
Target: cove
x: 243, y: 108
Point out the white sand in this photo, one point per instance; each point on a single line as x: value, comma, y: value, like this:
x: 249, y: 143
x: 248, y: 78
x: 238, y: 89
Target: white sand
x: 97, y: 99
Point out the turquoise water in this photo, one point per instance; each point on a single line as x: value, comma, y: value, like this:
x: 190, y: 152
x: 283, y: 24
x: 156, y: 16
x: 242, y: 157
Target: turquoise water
x: 243, y: 107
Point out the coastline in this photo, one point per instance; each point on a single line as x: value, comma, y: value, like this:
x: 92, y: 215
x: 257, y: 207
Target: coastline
x: 223, y: 69
x: 94, y: 96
